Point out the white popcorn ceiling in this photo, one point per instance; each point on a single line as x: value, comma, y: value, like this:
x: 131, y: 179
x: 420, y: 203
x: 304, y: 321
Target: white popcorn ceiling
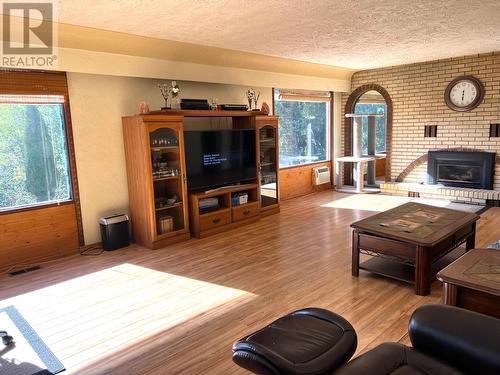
x: 354, y: 34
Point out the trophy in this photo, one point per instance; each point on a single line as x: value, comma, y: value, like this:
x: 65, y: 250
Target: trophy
x: 165, y: 90
x: 170, y: 93
x: 253, y: 98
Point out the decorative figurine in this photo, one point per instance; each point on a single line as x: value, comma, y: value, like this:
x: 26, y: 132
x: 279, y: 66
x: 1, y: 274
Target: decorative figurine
x: 143, y: 107
x: 176, y: 101
x: 253, y: 98
x: 170, y: 93
x: 213, y: 104
x: 265, y: 108
x: 250, y: 97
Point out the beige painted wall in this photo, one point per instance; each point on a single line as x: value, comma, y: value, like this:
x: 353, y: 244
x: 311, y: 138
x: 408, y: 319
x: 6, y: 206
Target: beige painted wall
x: 97, y: 104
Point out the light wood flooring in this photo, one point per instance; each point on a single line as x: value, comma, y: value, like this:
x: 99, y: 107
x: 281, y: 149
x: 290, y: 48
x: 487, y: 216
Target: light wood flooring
x: 178, y: 310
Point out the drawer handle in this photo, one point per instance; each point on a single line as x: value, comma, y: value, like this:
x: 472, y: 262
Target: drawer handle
x: 246, y: 212
x: 216, y: 221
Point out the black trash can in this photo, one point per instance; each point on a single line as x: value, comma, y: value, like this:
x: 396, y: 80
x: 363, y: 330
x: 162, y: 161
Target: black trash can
x: 114, y: 232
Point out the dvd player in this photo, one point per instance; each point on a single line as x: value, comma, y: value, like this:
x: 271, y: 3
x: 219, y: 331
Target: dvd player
x: 194, y: 104
x: 234, y: 107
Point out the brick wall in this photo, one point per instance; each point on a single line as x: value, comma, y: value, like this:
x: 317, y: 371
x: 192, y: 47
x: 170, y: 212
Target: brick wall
x: 417, y: 93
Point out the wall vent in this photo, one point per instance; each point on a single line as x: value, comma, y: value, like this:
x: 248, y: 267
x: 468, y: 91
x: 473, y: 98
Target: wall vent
x: 24, y: 270
x: 430, y: 131
x: 494, y: 130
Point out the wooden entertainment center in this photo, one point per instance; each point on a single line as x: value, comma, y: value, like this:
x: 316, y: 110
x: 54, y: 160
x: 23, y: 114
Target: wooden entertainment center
x: 161, y: 208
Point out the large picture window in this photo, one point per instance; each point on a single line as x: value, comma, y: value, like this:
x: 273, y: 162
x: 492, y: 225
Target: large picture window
x: 304, y: 135
x: 34, y: 164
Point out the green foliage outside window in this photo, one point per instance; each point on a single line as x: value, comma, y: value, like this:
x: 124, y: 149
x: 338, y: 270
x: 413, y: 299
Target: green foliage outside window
x: 33, y: 158
x: 380, y: 125
x: 303, y: 132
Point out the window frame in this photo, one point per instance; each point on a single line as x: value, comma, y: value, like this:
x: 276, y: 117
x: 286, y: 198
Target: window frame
x: 33, y: 82
x: 329, y: 125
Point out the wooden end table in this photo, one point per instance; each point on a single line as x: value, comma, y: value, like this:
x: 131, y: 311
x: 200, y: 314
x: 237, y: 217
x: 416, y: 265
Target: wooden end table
x: 473, y: 282
x: 410, y: 242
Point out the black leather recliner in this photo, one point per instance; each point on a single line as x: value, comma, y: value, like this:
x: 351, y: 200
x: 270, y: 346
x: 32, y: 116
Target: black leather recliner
x: 445, y: 339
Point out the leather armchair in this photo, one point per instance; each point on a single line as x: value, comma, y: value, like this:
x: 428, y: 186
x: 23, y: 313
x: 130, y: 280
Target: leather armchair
x: 467, y: 340
x: 445, y: 339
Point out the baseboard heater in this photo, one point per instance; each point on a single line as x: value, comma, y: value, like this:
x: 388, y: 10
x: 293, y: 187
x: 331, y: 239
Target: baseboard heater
x: 321, y: 175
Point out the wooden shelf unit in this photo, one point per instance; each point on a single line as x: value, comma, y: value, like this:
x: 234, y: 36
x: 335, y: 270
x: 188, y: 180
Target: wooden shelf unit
x: 146, y: 190
x: 149, y: 192
x: 228, y: 216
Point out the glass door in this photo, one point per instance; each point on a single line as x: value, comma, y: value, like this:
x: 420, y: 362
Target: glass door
x: 167, y: 175
x: 268, y: 165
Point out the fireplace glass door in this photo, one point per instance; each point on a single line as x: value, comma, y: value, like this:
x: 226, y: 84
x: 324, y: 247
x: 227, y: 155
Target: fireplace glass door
x: 465, y: 174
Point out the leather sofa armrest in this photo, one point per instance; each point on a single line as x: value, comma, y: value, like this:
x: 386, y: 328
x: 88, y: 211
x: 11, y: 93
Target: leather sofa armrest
x: 467, y: 340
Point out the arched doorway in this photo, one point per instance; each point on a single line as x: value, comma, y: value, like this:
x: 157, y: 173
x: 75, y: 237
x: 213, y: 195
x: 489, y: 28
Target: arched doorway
x: 371, y: 99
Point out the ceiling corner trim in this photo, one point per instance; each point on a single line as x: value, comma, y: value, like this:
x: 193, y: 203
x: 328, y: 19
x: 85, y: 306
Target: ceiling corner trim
x: 85, y: 38
x: 87, y: 50
x: 91, y: 62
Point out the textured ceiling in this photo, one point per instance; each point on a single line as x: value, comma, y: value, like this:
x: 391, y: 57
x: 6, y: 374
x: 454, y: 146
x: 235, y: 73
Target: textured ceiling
x: 357, y: 34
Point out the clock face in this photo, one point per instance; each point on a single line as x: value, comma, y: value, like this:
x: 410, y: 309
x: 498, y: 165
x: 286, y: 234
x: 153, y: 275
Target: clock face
x: 463, y: 93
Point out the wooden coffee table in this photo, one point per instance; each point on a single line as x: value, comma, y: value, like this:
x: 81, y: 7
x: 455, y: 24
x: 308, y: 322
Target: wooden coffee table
x: 410, y: 242
x: 473, y: 282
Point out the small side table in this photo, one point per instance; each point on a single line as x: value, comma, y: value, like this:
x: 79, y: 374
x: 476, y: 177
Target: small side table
x: 473, y: 282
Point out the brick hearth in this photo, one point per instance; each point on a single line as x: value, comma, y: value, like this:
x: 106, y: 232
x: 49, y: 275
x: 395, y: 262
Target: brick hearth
x: 453, y: 194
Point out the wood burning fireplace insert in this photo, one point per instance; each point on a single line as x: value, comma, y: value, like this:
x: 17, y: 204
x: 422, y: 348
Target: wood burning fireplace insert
x: 468, y: 169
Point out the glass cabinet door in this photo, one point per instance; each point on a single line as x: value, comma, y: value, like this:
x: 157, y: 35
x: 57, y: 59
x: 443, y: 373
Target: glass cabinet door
x: 268, y: 165
x: 167, y: 178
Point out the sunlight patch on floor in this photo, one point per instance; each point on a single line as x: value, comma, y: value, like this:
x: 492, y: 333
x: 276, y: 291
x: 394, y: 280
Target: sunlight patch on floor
x: 93, y: 316
x: 382, y: 202
x: 368, y: 202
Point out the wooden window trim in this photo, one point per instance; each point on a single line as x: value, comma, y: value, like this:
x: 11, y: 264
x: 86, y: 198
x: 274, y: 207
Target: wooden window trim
x: 31, y: 82
x: 311, y: 165
x: 36, y: 207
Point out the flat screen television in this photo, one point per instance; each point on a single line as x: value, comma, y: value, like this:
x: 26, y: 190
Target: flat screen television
x: 215, y: 158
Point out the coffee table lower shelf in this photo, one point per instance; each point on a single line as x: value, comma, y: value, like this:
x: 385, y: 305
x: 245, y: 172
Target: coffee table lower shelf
x: 405, y: 272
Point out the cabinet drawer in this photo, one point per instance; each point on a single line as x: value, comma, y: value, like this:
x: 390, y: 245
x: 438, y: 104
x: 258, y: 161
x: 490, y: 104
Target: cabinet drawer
x: 215, y: 219
x: 386, y: 246
x: 245, y: 211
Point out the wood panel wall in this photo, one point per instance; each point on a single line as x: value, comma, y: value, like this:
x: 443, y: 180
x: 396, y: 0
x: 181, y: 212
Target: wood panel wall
x: 28, y: 237
x: 380, y: 167
x: 298, y: 181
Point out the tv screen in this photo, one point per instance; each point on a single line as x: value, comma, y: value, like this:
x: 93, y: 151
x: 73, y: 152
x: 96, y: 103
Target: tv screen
x: 219, y: 157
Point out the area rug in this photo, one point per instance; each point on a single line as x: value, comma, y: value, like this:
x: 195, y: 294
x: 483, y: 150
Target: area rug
x: 28, y: 354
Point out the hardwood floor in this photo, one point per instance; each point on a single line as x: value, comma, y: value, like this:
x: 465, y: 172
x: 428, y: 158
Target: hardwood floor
x: 178, y: 310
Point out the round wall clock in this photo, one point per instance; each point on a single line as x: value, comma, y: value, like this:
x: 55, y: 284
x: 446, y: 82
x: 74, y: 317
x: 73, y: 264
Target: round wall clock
x: 464, y: 93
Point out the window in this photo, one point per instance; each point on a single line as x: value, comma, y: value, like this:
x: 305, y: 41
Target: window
x: 304, y: 135
x: 373, y: 103
x: 34, y: 165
